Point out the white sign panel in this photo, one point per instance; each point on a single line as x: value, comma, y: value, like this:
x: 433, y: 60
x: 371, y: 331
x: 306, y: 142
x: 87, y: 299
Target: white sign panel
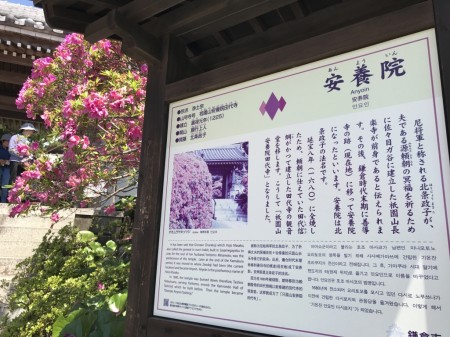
x: 314, y: 201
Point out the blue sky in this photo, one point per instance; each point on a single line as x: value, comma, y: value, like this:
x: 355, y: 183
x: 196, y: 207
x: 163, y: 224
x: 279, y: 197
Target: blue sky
x: 22, y: 2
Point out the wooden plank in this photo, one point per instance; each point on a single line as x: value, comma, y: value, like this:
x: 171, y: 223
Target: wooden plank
x: 17, y: 60
x: 136, y: 42
x: 296, y: 9
x: 8, y: 112
x: 205, y: 17
x: 256, y: 26
x: 317, y: 23
x: 109, y: 3
x: 8, y: 102
x: 139, y: 10
x: 389, y: 26
x: 236, y: 12
x: 183, y: 15
x: 99, y: 29
x: 12, y: 77
x: 442, y: 13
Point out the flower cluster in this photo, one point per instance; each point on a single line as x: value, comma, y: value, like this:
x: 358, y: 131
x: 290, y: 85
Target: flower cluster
x: 91, y: 99
x: 191, y: 203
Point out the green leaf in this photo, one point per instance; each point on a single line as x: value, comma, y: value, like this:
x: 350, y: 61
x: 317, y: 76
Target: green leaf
x: 117, y: 328
x: 96, y: 301
x: 62, y: 322
x: 87, y: 322
x: 78, y: 323
x: 117, y: 302
x: 105, y: 316
x: 110, y: 324
x: 96, y: 333
x: 85, y: 236
x: 94, y: 245
x: 100, y: 251
x: 111, y: 244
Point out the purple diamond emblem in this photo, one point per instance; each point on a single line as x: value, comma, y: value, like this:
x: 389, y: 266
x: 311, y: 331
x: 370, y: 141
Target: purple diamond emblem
x: 281, y: 103
x: 262, y: 108
x: 272, y: 106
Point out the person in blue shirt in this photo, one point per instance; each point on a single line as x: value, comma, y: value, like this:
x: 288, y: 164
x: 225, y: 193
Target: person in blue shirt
x: 4, y: 167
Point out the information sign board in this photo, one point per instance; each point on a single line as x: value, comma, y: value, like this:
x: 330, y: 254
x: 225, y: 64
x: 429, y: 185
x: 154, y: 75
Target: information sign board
x: 312, y: 202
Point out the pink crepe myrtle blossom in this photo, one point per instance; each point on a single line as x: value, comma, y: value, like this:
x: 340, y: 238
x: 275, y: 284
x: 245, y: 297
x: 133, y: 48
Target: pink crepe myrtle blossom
x: 67, y: 109
x: 95, y: 106
x: 91, y: 99
x: 31, y: 174
x: 34, y: 146
x: 85, y: 142
x: 46, y: 118
x: 73, y: 181
x: 73, y: 141
x: 47, y: 80
x: 20, y: 208
x: 23, y: 150
x: 105, y: 45
x: 110, y: 209
x: 69, y: 155
x: 54, y: 217
x: 135, y: 132
x: 42, y: 197
x: 140, y: 93
x: 48, y: 165
x: 29, y: 111
x: 144, y: 69
x: 67, y: 128
x: 88, y: 63
x: 40, y: 66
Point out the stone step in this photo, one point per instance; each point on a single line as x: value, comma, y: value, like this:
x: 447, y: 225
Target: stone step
x: 33, y: 221
x: 228, y: 210
x: 225, y: 203
x: 8, y: 266
x: 3, y: 292
x: 17, y: 249
x: 17, y: 233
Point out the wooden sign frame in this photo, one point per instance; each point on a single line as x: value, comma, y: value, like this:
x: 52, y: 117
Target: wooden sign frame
x: 163, y: 88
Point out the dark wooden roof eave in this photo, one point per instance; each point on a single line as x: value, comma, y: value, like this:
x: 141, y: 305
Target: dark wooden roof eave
x: 210, y: 34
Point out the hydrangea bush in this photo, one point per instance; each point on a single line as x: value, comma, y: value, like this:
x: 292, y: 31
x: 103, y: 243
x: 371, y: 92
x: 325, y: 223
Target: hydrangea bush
x: 91, y: 99
x: 191, y: 203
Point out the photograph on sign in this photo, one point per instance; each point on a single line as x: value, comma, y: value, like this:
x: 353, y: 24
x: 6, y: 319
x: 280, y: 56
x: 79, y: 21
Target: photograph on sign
x: 209, y: 188
x: 313, y: 201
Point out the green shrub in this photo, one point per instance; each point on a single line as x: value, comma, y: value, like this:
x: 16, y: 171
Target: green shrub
x: 68, y: 269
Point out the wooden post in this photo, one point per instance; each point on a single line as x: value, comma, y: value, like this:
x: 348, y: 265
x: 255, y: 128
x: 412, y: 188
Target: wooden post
x: 151, y: 172
x: 148, y: 208
x: 442, y: 24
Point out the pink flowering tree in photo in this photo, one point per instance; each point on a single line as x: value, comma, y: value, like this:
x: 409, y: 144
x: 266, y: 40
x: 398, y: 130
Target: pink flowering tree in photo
x: 192, y: 193
x: 91, y: 100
